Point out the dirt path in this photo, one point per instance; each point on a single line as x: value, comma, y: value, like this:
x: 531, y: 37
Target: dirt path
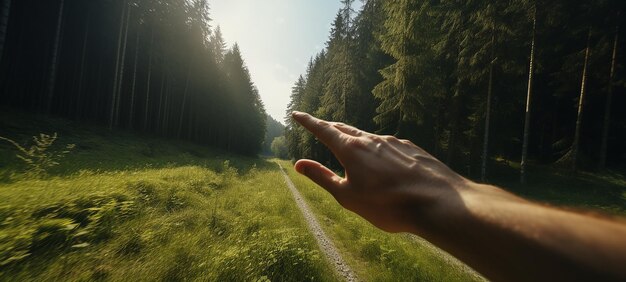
x: 452, y: 261
x: 326, y: 245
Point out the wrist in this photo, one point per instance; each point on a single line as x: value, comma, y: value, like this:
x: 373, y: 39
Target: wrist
x: 432, y: 207
x: 455, y: 207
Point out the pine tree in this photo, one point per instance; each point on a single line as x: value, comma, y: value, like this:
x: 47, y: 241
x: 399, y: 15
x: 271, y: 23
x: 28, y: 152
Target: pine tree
x: 124, y: 19
x: 531, y: 71
x: 218, y: 46
x: 581, y: 103
x: 408, y: 83
x: 609, y: 97
x: 52, y: 76
x: 293, y: 132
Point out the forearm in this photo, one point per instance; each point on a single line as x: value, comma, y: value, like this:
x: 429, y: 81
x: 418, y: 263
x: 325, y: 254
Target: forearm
x: 505, y: 237
x: 399, y: 187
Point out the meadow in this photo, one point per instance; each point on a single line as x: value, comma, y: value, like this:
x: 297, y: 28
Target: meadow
x: 121, y: 206
x: 374, y: 254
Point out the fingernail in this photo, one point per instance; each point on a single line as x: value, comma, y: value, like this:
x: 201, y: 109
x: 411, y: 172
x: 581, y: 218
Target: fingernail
x: 300, y: 170
x: 296, y: 113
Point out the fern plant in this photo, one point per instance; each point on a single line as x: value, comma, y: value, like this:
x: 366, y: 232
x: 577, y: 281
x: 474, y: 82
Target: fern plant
x: 39, y: 158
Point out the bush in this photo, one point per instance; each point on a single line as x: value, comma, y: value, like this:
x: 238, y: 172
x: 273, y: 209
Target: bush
x: 39, y: 158
x: 279, y: 147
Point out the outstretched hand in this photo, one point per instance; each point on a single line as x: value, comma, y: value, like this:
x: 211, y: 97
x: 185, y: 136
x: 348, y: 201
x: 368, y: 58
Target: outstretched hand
x: 399, y: 187
x: 387, y: 181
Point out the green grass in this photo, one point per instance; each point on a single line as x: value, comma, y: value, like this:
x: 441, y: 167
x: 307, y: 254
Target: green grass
x: 604, y: 192
x: 374, y: 254
x: 380, y: 256
x: 127, y: 208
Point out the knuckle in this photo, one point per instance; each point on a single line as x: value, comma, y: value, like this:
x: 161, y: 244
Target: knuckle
x: 410, y: 144
x: 389, y: 138
x: 348, y: 129
x: 379, y: 148
x: 323, y: 123
x: 353, y: 142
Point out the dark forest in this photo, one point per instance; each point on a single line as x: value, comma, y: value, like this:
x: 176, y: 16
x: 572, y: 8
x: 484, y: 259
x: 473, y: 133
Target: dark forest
x: 475, y: 82
x: 150, y: 66
x: 138, y: 143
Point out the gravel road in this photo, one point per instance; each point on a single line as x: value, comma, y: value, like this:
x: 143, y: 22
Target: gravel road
x: 326, y: 245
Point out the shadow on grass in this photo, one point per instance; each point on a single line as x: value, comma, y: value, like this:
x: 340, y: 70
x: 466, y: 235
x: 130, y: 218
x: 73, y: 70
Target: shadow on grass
x: 604, y: 191
x: 98, y: 149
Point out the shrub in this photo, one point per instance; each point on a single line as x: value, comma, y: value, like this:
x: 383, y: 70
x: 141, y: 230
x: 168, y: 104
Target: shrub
x: 279, y: 147
x: 39, y: 158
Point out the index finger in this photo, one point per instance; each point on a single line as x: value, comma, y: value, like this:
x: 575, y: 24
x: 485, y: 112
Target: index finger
x: 323, y: 130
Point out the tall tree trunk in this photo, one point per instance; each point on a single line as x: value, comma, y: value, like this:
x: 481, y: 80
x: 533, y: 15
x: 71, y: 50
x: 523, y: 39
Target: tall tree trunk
x: 55, y: 57
x: 229, y: 136
x: 345, y: 80
x: 581, y: 102
x: 146, y: 105
x: 117, y: 63
x: 166, y: 107
x: 98, y: 90
x: 158, y: 119
x: 132, y: 92
x: 485, y: 156
x: 182, y: 107
x: 531, y: 70
x: 193, y: 119
x: 4, y: 24
x: 79, y: 105
x: 609, y: 98
x: 122, y: 65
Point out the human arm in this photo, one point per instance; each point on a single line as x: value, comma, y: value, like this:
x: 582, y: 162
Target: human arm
x: 399, y: 187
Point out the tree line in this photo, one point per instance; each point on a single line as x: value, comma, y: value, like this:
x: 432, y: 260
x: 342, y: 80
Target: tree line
x: 155, y: 66
x: 474, y: 81
x: 275, y: 129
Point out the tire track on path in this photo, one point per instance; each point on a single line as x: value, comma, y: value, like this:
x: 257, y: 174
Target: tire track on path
x: 325, y: 244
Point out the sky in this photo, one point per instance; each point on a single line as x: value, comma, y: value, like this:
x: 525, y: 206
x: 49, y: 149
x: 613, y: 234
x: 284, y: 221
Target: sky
x: 277, y: 38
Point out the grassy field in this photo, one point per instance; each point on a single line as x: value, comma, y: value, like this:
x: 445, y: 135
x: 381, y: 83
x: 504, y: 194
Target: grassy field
x: 379, y: 256
x: 373, y: 254
x: 125, y: 208
x: 603, y: 192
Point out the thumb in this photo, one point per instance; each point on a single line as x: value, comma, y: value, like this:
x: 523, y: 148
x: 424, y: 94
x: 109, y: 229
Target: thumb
x: 321, y: 175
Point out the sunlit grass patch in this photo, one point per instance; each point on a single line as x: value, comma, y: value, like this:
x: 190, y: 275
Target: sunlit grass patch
x: 203, y: 216
x: 376, y: 255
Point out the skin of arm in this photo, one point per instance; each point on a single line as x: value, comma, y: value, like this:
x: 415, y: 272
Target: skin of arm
x: 399, y: 187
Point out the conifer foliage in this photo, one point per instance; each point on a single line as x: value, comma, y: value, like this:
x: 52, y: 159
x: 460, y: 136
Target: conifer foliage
x: 453, y: 77
x: 156, y: 66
